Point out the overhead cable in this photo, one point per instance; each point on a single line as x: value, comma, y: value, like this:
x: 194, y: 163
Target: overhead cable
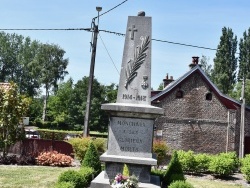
x: 109, y: 55
x: 110, y: 9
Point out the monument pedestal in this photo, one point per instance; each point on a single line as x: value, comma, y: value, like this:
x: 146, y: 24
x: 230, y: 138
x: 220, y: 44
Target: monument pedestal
x: 101, y: 182
x: 129, y: 142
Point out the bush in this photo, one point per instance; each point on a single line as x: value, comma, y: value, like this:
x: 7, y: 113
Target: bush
x: 88, y: 174
x: 222, y: 164
x: 202, y: 162
x: 125, y: 171
x: 180, y: 184
x: 245, y: 167
x: 74, y: 177
x: 91, y: 159
x: 160, y: 148
x: 233, y: 156
x: 10, y: 159
x: 53, y: 158
x: 26, y: 160
x: 80, y: 146
x: 64, y: 184
x: 158, y: 172
x: 174, y: 171
x: 187, y: 160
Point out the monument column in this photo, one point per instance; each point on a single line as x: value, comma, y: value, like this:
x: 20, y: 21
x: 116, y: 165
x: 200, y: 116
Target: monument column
x: 131, y: 128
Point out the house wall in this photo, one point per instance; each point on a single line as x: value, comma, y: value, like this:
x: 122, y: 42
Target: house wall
x: 194, y: 123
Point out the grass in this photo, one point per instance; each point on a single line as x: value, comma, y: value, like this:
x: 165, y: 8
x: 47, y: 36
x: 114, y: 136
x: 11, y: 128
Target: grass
x: 206, y: 183
x: 12, y: 176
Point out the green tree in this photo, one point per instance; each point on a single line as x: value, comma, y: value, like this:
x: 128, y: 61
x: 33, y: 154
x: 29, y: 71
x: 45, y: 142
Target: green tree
x: 205, y: 66
x: 174, y: 171
x: 161, y: 86
x: 26, y: 76
x: 244, y: 56
x: 236, y: 93
x: 10, y: 45
x: 78, y: 104
x: 91, y: 159
x: 59, y: 104
x: 225, y: 62
x: 13, y: 107
x: 50, y: 67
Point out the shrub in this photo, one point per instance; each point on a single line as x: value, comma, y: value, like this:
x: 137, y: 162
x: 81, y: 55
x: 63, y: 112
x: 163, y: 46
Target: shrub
x: 80, y: 146
x: 174, y: 171
x: 160, y: 148
x: 222, y: 165
x: 88, y: 174
x: 53, y: 158
x: 187, y: 160
x: 245, y: 167
x: 26, y: 160
x: 180, y: 184
x: 202, y: 162
x: 125, y: 170
x: 233, y: 156
x: 158, y: 172
x: 10, y: 159
x: 64, y: 184
x: 74, y: 177
x: 91, y: 159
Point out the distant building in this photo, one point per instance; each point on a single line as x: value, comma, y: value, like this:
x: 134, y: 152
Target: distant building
x: 197, y: 116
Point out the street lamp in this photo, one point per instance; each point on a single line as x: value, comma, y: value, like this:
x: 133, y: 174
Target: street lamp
x: 91, y: 74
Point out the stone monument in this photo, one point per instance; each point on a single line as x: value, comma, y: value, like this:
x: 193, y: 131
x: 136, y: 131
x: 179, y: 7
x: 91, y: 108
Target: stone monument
x: 130, y: 134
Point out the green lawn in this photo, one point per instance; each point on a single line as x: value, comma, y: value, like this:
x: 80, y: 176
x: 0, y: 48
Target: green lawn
x: 206, y: 183
x: 12, y: 176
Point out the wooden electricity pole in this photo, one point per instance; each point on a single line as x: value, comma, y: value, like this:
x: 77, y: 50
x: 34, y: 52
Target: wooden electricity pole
x: 91, y: 74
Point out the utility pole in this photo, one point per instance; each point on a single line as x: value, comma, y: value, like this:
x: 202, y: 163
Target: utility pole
x: 91, y: 75
x: 242, y: 122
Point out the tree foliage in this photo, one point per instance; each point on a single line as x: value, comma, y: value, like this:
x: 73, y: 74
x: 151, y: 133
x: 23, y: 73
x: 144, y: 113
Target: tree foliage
x: 244, y: 56
x: 205, y: 66
x: 225, y: 62
x: 13, y: 107
x: 236, y: 93
x: 52, y: 67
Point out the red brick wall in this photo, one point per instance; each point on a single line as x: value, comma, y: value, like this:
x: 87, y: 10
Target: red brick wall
x: 194, y: 123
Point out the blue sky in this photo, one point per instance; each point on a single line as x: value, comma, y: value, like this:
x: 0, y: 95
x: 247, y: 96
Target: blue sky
x: 191, y: 22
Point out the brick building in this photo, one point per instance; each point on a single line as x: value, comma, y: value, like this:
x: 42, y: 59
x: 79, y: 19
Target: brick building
x: 197, y: 116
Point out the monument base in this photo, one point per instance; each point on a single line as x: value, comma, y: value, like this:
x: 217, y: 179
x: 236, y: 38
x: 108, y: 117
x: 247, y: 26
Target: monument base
x: 101, y: 182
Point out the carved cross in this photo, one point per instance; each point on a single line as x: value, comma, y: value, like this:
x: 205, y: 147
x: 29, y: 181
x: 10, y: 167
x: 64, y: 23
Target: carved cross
x: 133, y: 29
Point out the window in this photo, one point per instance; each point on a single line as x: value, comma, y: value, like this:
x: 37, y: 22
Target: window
x: 179, y: 94
x: 209, y: 96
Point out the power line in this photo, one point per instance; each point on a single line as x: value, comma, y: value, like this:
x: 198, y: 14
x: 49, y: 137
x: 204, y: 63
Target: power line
x: 170, y: 42
x: 109, y: 54
x: 116, y: 33
x: 112, y: 32
x: 110, y: 9
x: 69, y: 29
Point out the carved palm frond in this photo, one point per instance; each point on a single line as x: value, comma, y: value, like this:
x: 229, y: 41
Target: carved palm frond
x: 139, y: 58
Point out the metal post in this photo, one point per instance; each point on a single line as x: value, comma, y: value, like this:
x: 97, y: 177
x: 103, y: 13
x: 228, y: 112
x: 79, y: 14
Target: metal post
x: 91, y: 77
x: 242, y: 121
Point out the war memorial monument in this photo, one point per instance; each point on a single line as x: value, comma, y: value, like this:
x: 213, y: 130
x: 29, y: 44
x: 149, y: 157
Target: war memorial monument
x: 131, y: 126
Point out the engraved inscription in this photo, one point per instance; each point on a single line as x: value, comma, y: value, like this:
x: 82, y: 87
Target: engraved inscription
x: 130, y: 136
x: 131, y: 97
